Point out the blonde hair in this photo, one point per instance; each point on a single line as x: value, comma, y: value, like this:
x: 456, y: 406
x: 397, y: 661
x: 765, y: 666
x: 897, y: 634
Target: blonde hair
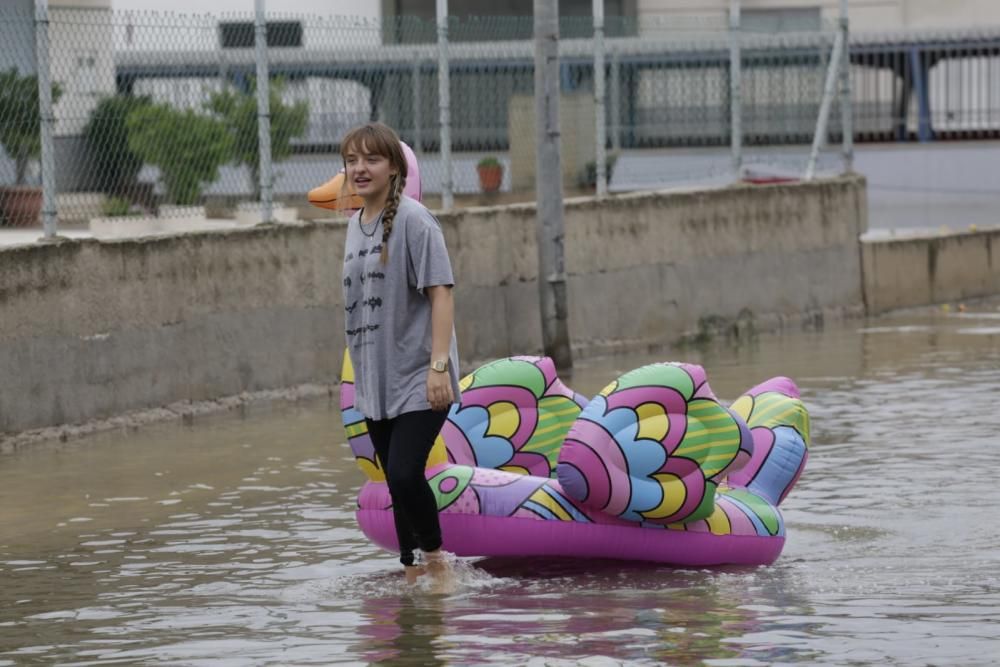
x: 380, y: 139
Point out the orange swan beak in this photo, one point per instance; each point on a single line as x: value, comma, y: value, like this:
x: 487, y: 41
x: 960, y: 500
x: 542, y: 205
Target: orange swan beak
x: 335, y: 195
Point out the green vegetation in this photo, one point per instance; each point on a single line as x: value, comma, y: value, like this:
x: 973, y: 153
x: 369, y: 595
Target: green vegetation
x: 238, y: 112
x: 115, y: 207
x: 188, y: 147
x: 115, y: 164
x: 20, y: 119
x: 487, y: 162
x: 588, y: 175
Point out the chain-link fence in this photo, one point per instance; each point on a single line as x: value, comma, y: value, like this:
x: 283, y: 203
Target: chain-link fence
x: 155, y: 113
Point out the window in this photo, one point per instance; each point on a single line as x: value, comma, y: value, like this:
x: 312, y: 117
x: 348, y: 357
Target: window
x: 242, y: 34
x: 86, y: 80
x: 792, y: 19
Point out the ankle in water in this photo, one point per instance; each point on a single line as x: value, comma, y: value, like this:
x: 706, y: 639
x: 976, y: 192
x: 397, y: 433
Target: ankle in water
x: 414, y: 572
x: 439, y: 555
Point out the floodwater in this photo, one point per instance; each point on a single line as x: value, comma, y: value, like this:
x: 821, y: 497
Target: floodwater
x: 231, y: 540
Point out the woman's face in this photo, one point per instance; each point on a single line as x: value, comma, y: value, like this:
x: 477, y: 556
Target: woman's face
x: 369, y: 173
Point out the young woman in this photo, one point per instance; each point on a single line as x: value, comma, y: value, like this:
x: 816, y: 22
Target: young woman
x: 399, y: 322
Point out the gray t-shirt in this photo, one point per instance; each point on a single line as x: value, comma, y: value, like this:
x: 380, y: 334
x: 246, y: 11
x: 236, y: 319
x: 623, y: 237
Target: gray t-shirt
x: 388, y: 315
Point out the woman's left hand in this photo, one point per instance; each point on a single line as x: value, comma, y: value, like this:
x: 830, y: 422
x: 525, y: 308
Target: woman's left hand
x: 439, y: 392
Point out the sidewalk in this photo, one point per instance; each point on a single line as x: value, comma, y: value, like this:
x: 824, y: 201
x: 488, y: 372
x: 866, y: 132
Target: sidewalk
x: 10, y: 236
x: 118, y: 228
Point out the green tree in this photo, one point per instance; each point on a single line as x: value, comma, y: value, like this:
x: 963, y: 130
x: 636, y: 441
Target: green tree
x: 115, y: 163
x: 238, y: 110
x: 188, y: 147
x: 20, y: 119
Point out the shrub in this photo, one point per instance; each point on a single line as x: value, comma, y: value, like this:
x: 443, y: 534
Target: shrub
x: 115, y: 207
x: 238, y: 112
x: 115, y: 164
x: 188, y: 147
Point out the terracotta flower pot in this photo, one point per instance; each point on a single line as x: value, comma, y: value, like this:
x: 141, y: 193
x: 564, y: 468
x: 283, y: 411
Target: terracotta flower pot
x: 20, y: 205
x: 490, y: 178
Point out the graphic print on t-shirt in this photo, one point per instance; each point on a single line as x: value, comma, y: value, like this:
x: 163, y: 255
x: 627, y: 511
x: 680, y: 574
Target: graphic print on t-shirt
x: 363, y: 282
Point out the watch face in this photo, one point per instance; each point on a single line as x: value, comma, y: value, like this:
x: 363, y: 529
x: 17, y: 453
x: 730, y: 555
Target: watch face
x: 440, y: 366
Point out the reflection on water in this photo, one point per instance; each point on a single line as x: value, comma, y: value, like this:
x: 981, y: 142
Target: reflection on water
x: 232, y: 540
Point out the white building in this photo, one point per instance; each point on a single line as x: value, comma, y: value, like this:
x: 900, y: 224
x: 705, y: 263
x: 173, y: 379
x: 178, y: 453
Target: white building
x: 866, y: 15
x: 81, y: 57
x: 81, y: 54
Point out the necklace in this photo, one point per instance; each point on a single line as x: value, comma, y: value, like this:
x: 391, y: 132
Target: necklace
x: 374, y: 225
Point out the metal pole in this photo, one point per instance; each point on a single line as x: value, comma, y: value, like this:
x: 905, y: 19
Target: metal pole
x: 846, y: 94
x: 444, y: 97
x: 548, y: 186
x: 263, y: 115
x: 735, y: 88
x: 417, y: 116
x: 824, y: 108
x: 601, y: 138
x: 46, y: 117
x: 616, y: 102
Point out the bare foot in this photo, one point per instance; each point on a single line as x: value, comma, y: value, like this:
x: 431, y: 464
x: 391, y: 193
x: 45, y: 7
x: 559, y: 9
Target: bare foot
x: 440, y: 570
x: 413, y: 572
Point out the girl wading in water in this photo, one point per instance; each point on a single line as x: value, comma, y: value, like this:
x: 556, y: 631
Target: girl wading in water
x: 399, y: 323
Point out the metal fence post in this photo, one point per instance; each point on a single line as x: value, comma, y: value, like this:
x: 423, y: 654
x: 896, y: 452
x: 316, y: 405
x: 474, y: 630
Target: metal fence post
x: 735, y: 88
x: 600, y: 135
x: 44, y: 77
x: 846, y: 94
x: 616, y: 104
x: 444, y: 105
x: 548, y: 187
x: 263, y: 114
x: 417, y: 104
x: 829, y: 90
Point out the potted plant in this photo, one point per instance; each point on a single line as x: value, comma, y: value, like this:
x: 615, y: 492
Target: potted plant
x: 490, y: 174
x: 20, y: 135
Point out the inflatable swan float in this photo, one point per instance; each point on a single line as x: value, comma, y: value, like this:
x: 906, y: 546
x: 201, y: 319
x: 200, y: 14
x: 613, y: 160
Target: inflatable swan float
x: 653, y: 468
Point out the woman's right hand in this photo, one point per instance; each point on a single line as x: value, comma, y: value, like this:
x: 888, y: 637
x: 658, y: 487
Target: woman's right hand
x: 439, y: 392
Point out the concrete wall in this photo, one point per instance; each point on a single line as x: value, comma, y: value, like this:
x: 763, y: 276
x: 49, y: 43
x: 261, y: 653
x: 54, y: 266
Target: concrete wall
x: 939, y: 269
x: 92, y: 329
x: 653, y: 268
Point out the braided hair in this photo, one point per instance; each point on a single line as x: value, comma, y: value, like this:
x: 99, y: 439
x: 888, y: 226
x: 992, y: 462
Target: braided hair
x: 389, y: 212
x: 380, y: 139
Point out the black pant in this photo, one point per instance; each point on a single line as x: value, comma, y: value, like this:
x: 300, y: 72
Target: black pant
x: 403, y: 445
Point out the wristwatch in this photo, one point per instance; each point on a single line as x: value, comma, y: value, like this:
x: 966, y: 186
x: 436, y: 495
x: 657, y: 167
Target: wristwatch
x: 441, y: 365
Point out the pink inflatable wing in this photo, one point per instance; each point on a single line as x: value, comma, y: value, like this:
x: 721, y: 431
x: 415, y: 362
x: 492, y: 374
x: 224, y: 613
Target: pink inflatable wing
x: 413, y: 187
x: 652, y: 447
x: 513, y: 416
x: 779, y: 423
